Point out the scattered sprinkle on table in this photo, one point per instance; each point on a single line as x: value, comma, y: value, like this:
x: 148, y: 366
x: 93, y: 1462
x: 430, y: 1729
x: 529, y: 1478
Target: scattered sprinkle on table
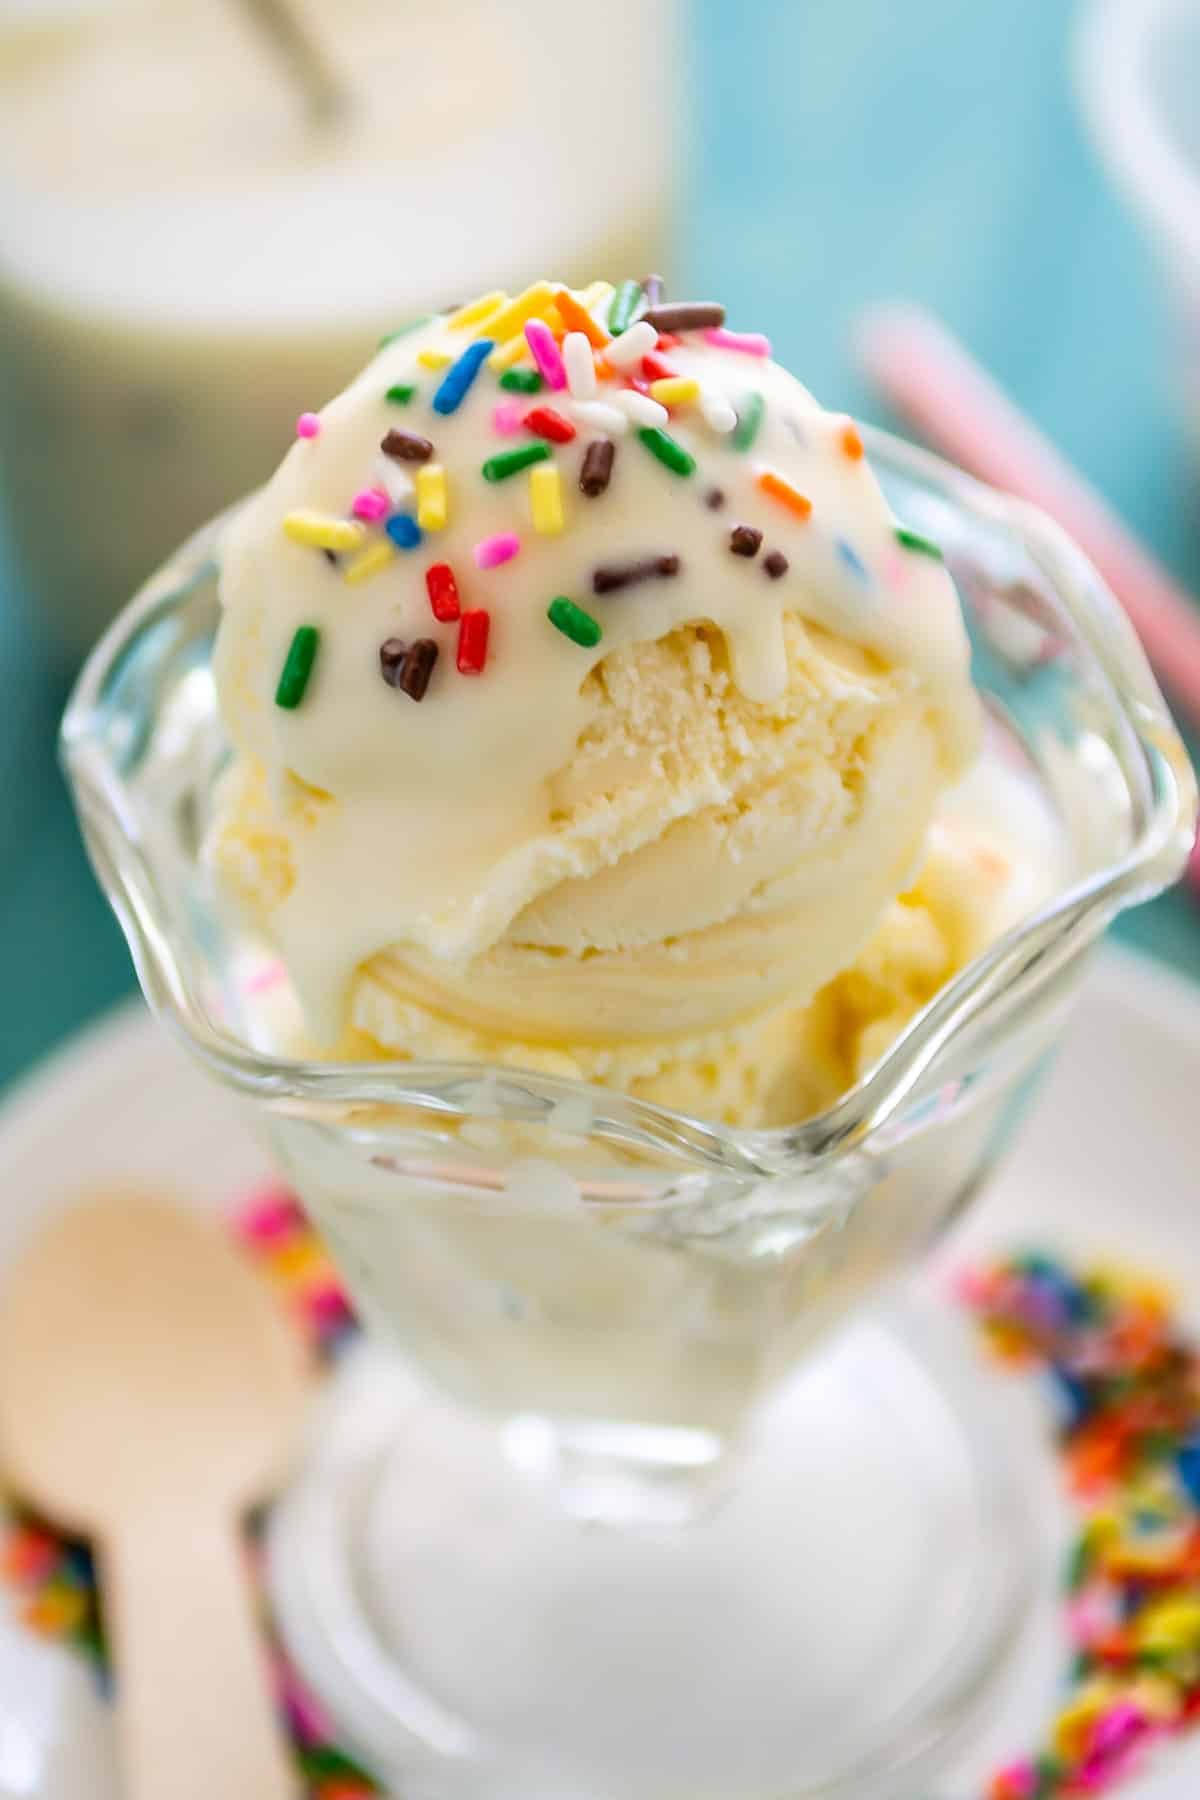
x: 574, y: 623
x: 923, y: 546
x: 750, y: 410
x: 596, y: 470
x: 776, y: 488
x: 668, y: 452
x: 442, y: 589
x: 297, y: 667
x: 608, y: 578
x: 320, y: 531
x: 511, y: 462
x: 406, y: 446
x: 473, y: 630
x: 744, y: 540
x: 457, y: 382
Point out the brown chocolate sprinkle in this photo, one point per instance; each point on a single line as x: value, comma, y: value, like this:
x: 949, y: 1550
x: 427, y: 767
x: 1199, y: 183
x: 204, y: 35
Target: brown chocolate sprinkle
x: 332, y: 558
x: 685, y: 315
x: 611, y: 576
x: 597, y: 468
x: 744, y: 540
x: 408, y: 666
x: 405, y: 446
x: 714, y: 499
x: 775, y: 564
x: 653, y: 287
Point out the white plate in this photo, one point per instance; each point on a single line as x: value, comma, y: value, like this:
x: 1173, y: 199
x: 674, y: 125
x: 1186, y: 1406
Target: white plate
x: 1106, y: 1164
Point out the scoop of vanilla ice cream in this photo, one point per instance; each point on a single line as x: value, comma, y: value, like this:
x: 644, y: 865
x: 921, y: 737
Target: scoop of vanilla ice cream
x: 639, y: 860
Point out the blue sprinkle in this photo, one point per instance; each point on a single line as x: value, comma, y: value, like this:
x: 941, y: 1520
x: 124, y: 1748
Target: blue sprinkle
x: 1074, y: 1401
x: 404, y: 531
x: 853, y: 560
x: 1187, y: 1465
x: 456, y: 382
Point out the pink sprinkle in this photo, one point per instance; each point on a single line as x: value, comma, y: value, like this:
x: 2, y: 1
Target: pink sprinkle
x: 1017, y: 1781
x: 897, y: 570
x: 1120, y: 1726
x: 266, y: 978
x: 326, y: 1307
x: 308, y: 426
x: 305, y: 1713
x: 544, y: 351
x: 372, y: 505
x: 489, y: 553
x: 506, y: 419
x: 750, y: 343
x: 269, y: 1215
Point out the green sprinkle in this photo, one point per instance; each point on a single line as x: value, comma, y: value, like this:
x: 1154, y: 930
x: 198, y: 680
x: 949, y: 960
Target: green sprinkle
x: 404, y: 331
x: 673, y: 456
x: 1079, y: 1563
x: 511, y: 462
x: 912, y: 540
x: 573, y: 622
x: 401, y: 394
x: 521, y: 381
x: 297, y: 668
x: 624, y: 304
x: 749, y: 418
x: 1048, y: 1773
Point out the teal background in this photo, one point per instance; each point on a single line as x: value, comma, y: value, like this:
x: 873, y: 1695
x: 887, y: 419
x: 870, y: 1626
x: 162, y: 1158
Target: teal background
x: 838, y: 155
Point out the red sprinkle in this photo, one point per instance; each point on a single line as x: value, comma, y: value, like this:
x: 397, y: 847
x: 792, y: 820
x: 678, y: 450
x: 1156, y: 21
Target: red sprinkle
x: 443, y: 592
x: 639, y: 382
x: 667, y: 340
x: 655, y: 369
x: 473, y: 641
x: 549, y: 424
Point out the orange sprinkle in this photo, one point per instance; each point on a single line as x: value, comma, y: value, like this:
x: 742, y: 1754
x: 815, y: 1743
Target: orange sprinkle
x: 852, y: 444
x: 785, y: 493
x: 577, y: 318
x: 604, y: 369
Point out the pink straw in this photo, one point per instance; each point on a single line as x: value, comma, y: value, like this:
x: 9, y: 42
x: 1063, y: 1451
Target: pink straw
x: 932, y: 383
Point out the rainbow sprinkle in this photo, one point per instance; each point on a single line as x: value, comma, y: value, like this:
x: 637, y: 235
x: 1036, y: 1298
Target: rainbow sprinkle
x: 297, y: 667
x: 574, y: 623
x: 625, y: 303
x: 489, y: 553
x: 457, y: 382
x: 308, y: 425
x: 545, y: 353
x: 1125, y: 1384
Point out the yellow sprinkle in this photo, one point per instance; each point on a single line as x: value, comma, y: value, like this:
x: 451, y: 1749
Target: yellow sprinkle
x: 529, y: 305
x: 369, y: 562
x: 434, y: 359
x: 599, y: 293
x: 554, y: 319
x: 509, y: 352
x: 476, y: 312
x: 321, y: 532
x: 1073, y: 1726
x: 56, y: 1611
x: 298, y: 1262
x: 1156, y: 1696
x: 673, y: 390
x: 1170, y: 1624
x: 431, y: 497
x: 545, y: 497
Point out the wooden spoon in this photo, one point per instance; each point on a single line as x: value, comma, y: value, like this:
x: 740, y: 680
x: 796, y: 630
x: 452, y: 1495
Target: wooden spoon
x: 150, y: 1393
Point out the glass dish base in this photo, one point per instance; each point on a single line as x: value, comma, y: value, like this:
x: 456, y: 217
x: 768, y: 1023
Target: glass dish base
x: 825, y: 1629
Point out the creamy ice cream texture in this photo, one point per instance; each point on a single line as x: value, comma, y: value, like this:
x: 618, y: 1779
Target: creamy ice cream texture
x: 593, y: 713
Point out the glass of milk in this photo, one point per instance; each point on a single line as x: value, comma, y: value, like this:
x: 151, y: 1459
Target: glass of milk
x: 185, y: 254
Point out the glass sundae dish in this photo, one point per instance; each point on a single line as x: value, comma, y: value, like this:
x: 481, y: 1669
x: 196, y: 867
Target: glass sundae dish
x: 568, y: 804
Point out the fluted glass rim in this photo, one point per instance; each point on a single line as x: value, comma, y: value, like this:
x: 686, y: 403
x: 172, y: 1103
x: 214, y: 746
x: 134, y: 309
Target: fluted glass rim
x: 1041, y: 945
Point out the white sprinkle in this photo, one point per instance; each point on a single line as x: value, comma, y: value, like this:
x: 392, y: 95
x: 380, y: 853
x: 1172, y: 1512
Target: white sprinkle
x: 387, y: 474
x: 581, y: 369
x: 641, y: 408
x: 596, y: 413
x: 631, y: 346
x: 718, y: 414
